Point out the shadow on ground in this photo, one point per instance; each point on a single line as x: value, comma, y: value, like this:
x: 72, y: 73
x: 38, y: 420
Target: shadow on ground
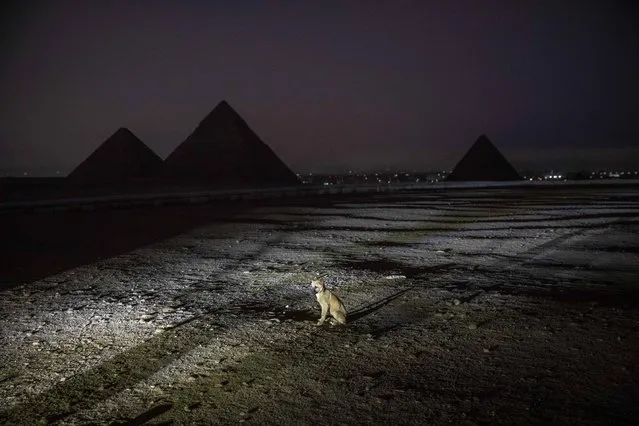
x: 375, y: 306
x: 84, y: 390
x: 387, y: 266
x: 37, y: 245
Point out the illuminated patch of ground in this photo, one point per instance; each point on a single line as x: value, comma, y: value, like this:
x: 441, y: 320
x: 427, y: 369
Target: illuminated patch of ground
x: 485, y: 306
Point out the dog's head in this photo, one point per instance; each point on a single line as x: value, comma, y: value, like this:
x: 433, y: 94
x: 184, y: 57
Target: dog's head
x: 317, y: 285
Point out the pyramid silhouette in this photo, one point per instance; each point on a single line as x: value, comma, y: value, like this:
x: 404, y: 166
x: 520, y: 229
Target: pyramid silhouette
x: 224, y: 150
x: 122, y: 157
x: 484, y: 162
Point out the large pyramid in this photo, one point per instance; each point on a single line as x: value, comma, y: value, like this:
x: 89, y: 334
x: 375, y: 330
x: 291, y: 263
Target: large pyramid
x: 223, y: 150
x: 121, y: 158
x: 484, y: 162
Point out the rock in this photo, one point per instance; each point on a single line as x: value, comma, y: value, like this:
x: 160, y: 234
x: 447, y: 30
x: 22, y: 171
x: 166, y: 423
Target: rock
x: 472, y: 326
x: 456, y: 302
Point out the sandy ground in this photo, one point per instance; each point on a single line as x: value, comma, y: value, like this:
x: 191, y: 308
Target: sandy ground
x: 509, y: 306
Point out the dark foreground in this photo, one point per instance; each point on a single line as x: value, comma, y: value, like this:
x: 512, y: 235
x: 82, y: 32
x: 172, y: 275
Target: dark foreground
x: 511, y: 306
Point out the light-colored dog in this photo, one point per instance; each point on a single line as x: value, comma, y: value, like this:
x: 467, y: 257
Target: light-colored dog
x: 330, y: 303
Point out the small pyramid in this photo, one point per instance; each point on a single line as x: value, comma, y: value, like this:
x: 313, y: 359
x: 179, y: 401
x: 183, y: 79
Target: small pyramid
x: 483, y: 162
x: 224, y: 150
x: 122, y: 157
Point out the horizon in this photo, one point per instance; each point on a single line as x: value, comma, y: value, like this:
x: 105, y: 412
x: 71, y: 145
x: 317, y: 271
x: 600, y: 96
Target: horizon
x: 326, y: 86
x: 54, y: 172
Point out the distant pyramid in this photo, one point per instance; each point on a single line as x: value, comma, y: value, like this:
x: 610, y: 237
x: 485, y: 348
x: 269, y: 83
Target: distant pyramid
x: 122, y: 157
x: 224, y: 150
x: 483, y: 161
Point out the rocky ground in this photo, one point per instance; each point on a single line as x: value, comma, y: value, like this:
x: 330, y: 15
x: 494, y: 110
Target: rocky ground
x: 484, y: 306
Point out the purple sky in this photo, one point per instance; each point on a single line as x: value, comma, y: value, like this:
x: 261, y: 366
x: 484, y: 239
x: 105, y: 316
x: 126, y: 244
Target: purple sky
x: 334, y: 84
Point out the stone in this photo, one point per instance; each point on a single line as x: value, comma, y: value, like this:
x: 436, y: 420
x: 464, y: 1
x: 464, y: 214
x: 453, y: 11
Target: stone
x: 223, y: 150
x: 483, y: 162
x: 121, y: 158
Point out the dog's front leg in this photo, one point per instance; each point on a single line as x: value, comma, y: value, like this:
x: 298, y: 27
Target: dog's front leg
x: 324, y: 313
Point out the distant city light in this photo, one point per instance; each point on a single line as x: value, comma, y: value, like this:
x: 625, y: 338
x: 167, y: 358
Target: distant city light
x: 399, y: 177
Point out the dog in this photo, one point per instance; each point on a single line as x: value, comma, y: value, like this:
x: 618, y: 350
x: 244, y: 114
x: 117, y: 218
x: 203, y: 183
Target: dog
x: 330, y: 303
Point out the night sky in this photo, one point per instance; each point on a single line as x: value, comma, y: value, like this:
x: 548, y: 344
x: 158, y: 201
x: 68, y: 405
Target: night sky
x: 336, y: 84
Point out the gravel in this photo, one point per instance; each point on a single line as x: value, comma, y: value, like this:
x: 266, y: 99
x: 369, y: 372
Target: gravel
x: 484, y: 306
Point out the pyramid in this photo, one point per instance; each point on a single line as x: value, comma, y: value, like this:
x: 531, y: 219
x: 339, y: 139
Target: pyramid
x: 223, y: 150
x: 484, y: 162
x: 122, y: 157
